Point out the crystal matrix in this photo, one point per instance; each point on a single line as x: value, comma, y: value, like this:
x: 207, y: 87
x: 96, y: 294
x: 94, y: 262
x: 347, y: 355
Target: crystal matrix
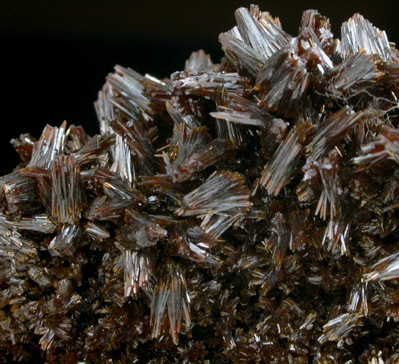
x: 240, y: 212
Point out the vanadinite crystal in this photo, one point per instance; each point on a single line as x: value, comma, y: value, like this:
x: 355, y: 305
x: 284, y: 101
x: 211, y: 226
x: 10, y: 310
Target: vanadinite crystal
x: 240, y: 212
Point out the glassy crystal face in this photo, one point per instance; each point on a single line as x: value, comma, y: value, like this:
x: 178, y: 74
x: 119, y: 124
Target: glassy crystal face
x: 238, y: 212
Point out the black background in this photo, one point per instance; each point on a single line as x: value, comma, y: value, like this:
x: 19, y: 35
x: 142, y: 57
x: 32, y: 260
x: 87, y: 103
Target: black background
x: 55, y: 55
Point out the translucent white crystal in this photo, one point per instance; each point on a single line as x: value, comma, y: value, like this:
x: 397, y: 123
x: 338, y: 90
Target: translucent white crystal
x: 359, y: 34
x: 223, y: 192
x: 50, y: 144
x: 67, y: 199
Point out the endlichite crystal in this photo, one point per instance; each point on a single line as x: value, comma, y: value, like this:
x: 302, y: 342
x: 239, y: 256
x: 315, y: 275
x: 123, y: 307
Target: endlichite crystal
x: 237, y: 212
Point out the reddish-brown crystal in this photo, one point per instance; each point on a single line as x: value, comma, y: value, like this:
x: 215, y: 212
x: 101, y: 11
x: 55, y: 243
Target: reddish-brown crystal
x: 240, y: 212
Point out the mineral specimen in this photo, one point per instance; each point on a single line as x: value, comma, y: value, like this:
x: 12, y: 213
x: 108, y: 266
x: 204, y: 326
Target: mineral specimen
x: 240, y: 212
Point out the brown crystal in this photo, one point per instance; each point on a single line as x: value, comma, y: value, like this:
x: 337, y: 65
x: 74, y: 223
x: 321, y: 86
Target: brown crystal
x: 238, y: 212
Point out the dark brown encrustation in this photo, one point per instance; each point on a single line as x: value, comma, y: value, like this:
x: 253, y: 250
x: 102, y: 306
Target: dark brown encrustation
x: 240, y: 212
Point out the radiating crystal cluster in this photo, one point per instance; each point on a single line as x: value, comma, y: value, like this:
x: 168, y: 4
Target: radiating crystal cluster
x: 241, y: 212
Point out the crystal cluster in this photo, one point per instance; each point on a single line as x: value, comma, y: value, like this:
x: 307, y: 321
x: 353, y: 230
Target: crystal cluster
x: 240, y: 212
